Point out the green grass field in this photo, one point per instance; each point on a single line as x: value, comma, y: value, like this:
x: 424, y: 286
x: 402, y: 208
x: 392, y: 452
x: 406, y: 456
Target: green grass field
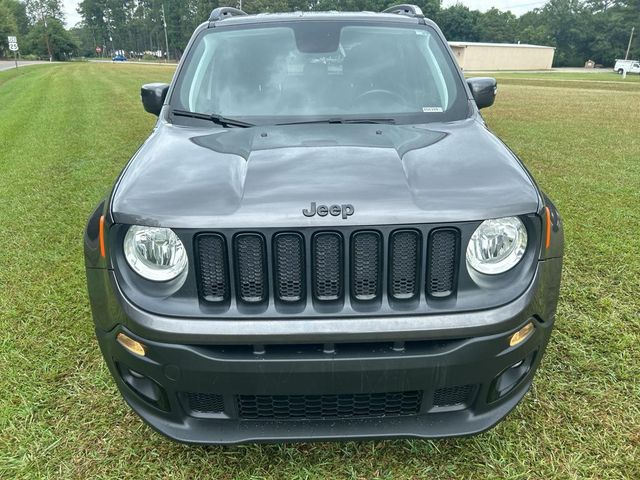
x: 65, y: 133
x: 596, y: 76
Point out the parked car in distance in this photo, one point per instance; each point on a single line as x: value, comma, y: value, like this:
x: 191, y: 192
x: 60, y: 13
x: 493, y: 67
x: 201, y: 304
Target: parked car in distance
x: 321, y: 239
x: 628, y: 66
x: 119, y: 58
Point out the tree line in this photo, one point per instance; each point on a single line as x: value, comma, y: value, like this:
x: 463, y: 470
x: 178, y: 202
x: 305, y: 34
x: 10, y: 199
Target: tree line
x: 579, y: 29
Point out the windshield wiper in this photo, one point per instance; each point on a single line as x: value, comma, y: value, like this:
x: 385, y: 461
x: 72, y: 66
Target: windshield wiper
x: 343, y: 121
x: 212, y: 117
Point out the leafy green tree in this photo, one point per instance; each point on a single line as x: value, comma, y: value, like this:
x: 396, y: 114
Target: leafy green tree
x: 51, y: 40
x: 567, y: 23
x: 8, y: 26
x: 458, y: 23
x: 43, y: 13
x: 18, y: 11
x: 579, y: 29
x: 532, y: 29
x: 497, y: 26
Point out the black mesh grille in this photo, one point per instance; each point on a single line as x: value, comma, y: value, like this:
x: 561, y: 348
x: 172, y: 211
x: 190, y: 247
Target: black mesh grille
x: 379, y: 264
x: 329, y: 406
x: 327, y: 266
x: 366, y: 248
x: 451, y: 396
x: 205, y: 402
x: 441, y: 271
x: 251, y: 268
x: 214, y: 276
x: 405, y: 264
x: 289, y: 266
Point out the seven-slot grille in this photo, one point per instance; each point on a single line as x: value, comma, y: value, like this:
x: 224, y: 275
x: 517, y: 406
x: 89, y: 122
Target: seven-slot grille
x: 328, y: 266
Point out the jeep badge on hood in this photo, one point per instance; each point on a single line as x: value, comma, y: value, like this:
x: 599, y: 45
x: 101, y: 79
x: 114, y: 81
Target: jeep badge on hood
x: 346, y: 210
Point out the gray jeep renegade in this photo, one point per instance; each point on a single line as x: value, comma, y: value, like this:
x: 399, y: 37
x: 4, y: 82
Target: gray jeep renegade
x: 321, y: 239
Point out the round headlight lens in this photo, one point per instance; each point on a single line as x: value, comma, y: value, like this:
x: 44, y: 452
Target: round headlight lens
x: 497, y: 245
x: 154, y: 253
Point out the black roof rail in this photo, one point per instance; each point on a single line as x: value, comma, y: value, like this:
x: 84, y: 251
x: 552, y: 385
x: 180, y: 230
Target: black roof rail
x: 405, y: 9
x: 224, y: 12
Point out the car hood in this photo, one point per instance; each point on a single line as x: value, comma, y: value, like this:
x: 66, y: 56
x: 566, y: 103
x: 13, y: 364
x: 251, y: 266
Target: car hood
x: 187, y: 177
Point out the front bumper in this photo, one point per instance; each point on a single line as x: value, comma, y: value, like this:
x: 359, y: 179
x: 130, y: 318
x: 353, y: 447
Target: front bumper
x: 193, y: 386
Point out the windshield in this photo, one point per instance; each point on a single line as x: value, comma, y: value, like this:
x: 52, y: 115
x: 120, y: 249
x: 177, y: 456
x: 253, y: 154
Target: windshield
x: 287, y: 71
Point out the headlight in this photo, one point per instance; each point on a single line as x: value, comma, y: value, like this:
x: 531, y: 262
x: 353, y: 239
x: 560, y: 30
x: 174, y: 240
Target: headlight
x: 497, y: 245
x: 154, y: 253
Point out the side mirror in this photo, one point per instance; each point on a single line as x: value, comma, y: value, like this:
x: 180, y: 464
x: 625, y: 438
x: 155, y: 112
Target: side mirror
x: 153, y: 95
x: 484, y: 90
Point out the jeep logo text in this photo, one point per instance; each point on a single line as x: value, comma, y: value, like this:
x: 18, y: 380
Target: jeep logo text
x: 346, y: 210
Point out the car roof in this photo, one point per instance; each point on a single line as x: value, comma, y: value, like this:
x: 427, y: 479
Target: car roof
x: 332, y: 15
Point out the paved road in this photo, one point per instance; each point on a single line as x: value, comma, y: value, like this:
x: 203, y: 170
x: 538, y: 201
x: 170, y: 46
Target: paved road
x: 135, y: 62
x: 7, y: 64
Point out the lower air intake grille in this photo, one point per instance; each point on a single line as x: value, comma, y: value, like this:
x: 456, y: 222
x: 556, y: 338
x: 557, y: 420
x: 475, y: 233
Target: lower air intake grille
x: 252, y: 407
x: 451, y: 396
x: 214, y: 277
x: 441, y: 271
x: 205, y: 402
x: 251, y: 260
x: 327, y: 266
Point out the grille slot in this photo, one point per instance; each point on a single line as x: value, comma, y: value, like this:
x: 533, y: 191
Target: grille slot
x: 255, y: 407
x: 251, y: 267
x: 289, y: 267
x: 452, y: 396
x: 404, y: 260
x: 214, y: 274
x: 366, y: 250
x: 328, y: 271
x: 441, y: 271
x: 205, y: 402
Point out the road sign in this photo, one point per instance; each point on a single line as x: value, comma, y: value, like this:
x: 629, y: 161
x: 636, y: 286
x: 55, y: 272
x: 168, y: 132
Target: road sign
x: 13, y: 44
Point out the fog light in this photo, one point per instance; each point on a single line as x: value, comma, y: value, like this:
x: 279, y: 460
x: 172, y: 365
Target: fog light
x: 521, y: 335
x: 130, y: 344
x: 145, y: 387
x: 511, y: 377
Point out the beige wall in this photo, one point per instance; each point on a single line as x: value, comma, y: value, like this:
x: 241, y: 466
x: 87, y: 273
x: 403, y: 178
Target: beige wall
x: 459, y: 53
x: 496, y: 57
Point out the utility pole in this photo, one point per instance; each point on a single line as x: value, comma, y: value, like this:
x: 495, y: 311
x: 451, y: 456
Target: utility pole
x: 626, y: 56
x: 166, y: 39
x: 46, y: 37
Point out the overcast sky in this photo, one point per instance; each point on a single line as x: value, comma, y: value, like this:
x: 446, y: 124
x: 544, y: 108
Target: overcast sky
x: 516, y: 6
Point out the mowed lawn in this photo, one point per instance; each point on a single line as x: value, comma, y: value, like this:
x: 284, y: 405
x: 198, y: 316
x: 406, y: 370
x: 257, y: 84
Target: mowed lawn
x: 65, y: 133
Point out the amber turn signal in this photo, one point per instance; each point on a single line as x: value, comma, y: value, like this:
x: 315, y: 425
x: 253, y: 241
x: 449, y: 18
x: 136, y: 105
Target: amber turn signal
x: 548, y: 229
x: 521, y: 335
x: 130, y: 344
x: 101, y: 235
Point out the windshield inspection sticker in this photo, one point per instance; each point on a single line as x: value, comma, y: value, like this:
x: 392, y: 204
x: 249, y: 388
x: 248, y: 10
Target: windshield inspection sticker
x: 432, y: 109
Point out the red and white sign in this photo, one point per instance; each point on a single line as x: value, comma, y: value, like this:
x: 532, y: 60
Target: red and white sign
x: 98, y: 49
